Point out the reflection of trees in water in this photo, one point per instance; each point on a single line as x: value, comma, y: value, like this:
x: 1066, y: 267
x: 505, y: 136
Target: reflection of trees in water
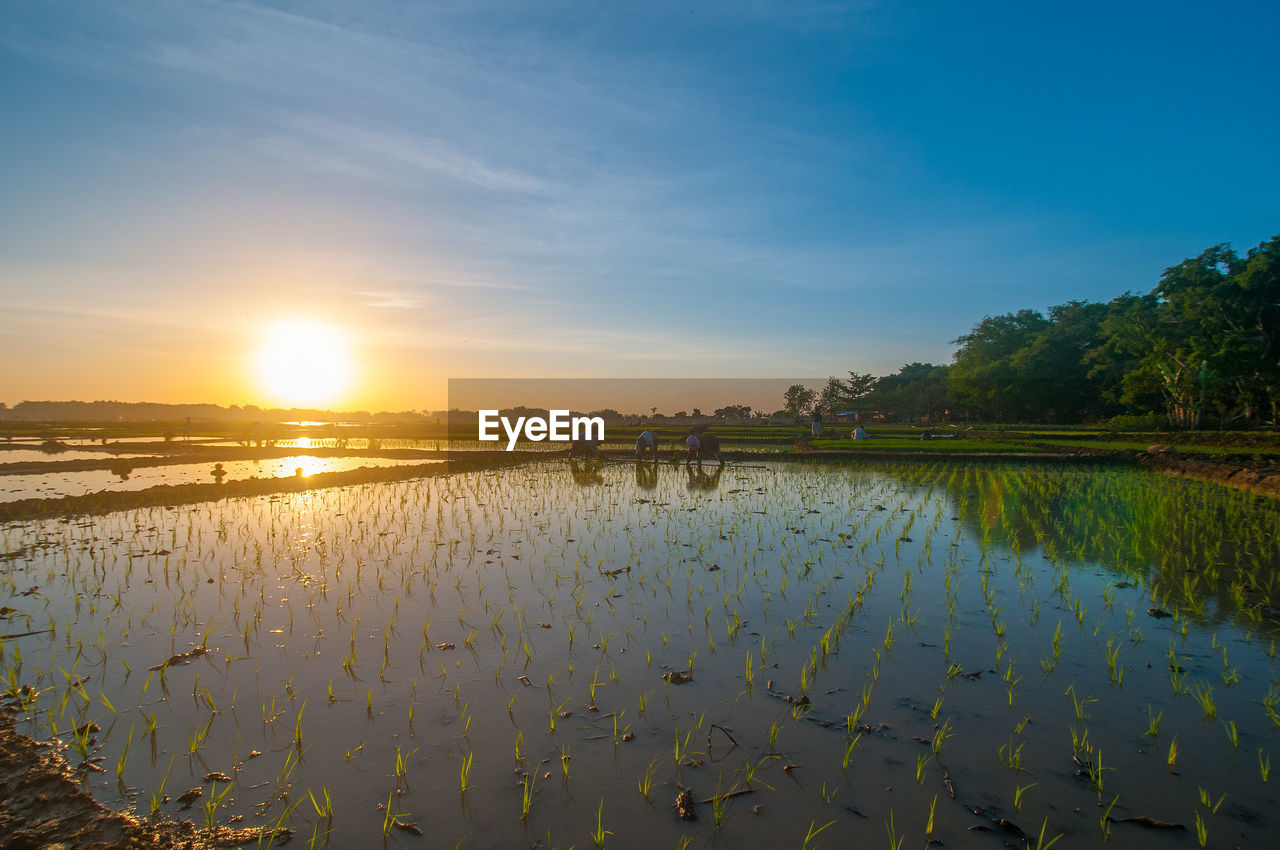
x: 1193, y: 543
x: 698, y: 479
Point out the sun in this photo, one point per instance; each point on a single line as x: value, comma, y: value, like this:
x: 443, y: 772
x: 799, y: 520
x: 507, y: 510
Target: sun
x: 303, y: 363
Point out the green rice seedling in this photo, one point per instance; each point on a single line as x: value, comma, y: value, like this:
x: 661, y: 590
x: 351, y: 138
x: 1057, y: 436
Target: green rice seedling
x: 1080, y: 705
x: 324, y: 813
x: 1203, y: 695
x: 554, y: 713
x: 124, y: 756
x: 646, y: 781
x: 464, y: 778
x: 157, y: 797
x: 940, y: 736
x: 814, y: 833
x: 1270, y: 703
x: 1172, y: 758
x: 1232, y: 734
x: 1206, y: 800
x: 1202, y: 832
x: 389, y: 818
x: 895, y: 840
x: 1104, y: 822
x: 1010, y: 755
x: 599, y: 833
x: 1010, y: 682
x: 848, y: 750
x: 828, y: 796
x: 213, y: 803
x: 1264, y: 764
x: 526, y: 797
x: 297, y: 727
x: 564, y: 760
x: 1113, y: 656
x: 1153, y: 723
x: 1041, y: 844
x: 1018, y: 791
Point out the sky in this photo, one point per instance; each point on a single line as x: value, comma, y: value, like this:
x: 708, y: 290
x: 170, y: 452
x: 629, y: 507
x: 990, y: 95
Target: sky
x: 595, y: 189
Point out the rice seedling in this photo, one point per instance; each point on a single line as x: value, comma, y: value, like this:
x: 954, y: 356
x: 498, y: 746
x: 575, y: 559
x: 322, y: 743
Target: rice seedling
x: 646, y: 781
x: 1153, y: 724
x: 813, y: 833
x: 599, y: 833
x: 1203, y: 695
x: 895, y: 840
x: 464, y: 778
x: 526, y: 797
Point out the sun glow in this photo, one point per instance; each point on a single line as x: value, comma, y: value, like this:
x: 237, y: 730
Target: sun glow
x: 302, y: 363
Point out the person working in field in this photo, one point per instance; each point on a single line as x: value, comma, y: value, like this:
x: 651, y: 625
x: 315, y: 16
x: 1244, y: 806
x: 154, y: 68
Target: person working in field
x: 585, y: 448
x: 647, y: 442
x: 702, y: 445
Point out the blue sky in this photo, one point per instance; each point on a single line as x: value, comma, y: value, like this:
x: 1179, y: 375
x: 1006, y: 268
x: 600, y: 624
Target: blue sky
x: 480, y: 189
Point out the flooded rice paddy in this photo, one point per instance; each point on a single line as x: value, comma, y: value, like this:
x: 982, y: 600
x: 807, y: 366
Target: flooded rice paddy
x: 788, y: 654
x: 52, y: 485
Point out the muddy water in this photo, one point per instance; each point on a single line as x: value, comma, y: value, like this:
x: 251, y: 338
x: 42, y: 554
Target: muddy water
x: 370, y: 641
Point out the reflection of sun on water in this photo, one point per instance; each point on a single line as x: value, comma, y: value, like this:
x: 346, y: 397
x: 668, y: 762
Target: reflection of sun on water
x: 303, y: 364
x: 306, y: 466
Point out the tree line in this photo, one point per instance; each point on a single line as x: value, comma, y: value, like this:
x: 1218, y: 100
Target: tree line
x: 1202, y: 347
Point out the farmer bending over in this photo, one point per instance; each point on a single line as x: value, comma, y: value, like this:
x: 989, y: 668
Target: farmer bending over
x: 703, y: 446
x: 646, y: 442
x: 585, y: 448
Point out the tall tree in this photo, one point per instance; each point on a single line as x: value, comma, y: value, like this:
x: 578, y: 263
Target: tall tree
x: 840, y: 395
x: 988, y: 379
x: 798, y: 400
x: 915, y: 390
x: 1208, y: 336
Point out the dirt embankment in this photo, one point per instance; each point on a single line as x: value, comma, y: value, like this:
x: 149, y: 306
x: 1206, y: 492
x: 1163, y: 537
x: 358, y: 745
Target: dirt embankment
x: 42, y: 806
x: 186, y: 494
x: 1264, y: 482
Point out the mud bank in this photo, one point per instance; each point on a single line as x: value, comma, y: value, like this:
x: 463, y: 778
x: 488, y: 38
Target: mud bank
x: 186, y: 494
x: 42, y: 806
x: 1264, y: 482
x: 201, y: 454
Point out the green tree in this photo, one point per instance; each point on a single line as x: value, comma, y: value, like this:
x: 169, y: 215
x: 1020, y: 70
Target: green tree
x: 915, y: 390
x: 988, y: 378
x: 798, y: 400
x: 840, y: 395
x: 1207, y: 336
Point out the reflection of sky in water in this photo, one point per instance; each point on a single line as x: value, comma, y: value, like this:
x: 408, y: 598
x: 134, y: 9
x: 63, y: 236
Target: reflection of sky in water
x: 57, y: 484
x: 970, y: 571
x: 37, y: 456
